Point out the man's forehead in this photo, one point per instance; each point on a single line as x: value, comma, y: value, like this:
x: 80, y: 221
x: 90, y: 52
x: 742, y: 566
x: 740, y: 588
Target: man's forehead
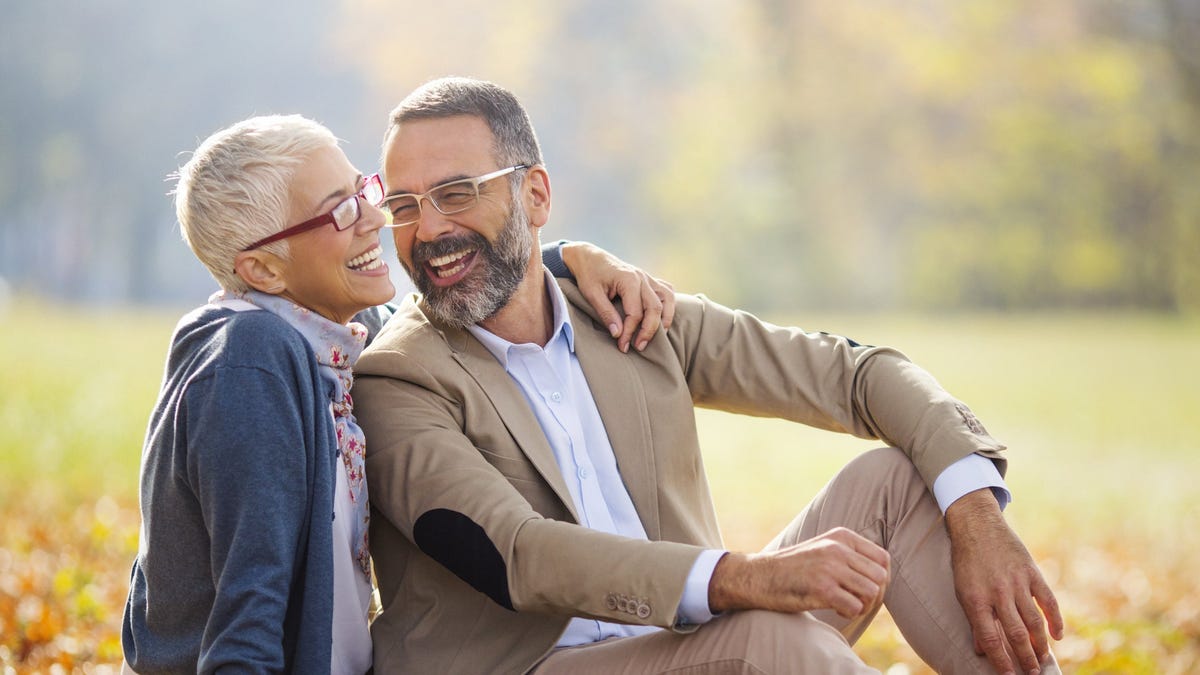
x: 424, y: 153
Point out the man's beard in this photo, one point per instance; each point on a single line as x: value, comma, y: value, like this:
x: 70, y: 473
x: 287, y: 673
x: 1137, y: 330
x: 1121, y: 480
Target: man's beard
x: 497, y: 271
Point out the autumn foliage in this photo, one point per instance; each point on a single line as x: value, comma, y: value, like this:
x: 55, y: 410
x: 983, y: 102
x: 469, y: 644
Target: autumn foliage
x: 1103, y: 476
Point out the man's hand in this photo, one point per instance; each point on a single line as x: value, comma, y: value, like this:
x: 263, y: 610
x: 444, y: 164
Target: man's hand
x: 602, y: 276
x: 999, y: 585
x: 839, y: 570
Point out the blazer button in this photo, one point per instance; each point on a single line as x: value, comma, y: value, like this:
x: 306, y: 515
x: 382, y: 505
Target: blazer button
x: 610, y: 601
x: 643, y: 611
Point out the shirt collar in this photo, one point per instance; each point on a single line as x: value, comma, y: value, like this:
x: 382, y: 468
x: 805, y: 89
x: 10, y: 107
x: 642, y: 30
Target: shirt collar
x: 563, y: 330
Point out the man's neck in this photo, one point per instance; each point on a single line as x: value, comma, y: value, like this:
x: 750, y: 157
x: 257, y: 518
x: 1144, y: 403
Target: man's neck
x: 528, y: 317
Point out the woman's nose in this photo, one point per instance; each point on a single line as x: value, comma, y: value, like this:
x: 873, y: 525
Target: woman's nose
x: 373, y: 218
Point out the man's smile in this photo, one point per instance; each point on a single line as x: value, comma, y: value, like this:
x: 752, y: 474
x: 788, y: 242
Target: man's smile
x: 445, y: 270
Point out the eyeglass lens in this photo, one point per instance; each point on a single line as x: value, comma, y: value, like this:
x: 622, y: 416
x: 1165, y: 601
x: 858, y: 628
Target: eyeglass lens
x: 373, y: 190
x: 448, y: 199
x: 346, y: 213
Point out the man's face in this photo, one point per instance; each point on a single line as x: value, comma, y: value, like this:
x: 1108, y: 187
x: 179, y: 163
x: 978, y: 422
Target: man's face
x: 468, y: 264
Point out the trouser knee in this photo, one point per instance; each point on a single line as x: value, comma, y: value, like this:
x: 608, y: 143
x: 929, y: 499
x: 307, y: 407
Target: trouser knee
x: 888, y: 462
x: 774, y: 642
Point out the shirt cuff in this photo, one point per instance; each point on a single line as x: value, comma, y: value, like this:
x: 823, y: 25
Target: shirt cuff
x: 968, y: 475
x: 693, y: 607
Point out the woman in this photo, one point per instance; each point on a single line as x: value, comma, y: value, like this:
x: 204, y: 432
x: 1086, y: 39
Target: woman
x: 253, y: 549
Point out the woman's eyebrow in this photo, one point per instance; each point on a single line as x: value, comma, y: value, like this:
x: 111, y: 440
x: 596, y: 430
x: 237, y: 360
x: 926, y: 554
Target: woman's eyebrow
x: 339, y: 193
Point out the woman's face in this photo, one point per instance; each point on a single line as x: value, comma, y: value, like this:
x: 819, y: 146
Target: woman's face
x: 336, y: 274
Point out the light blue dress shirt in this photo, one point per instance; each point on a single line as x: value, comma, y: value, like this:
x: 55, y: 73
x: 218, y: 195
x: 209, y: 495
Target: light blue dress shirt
x: 557, y: 391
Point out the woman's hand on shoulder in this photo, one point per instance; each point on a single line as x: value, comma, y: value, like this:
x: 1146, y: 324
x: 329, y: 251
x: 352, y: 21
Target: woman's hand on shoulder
x: 647, y: 302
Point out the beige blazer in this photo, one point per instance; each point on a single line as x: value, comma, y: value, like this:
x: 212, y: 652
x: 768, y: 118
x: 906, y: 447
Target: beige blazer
x: 479, y: 557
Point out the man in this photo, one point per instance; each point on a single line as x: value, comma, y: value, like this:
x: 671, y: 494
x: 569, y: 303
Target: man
x: 541, y: 499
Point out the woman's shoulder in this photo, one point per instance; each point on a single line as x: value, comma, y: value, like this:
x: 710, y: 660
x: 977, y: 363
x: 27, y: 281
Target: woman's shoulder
x: 254, y: 337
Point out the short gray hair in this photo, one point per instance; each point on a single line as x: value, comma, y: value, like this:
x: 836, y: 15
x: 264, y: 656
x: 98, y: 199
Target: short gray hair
x: 235, y: 189
x: 515, y: 140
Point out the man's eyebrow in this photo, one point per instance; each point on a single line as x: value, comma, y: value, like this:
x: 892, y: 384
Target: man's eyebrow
x: 447, y: 179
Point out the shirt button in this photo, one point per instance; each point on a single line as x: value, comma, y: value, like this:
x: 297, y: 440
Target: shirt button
x: 584, y: 473
x: 556, y: 397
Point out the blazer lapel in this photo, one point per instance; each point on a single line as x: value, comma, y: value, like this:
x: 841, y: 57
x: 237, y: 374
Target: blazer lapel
x: 614, y: 384
x: 512, y: 407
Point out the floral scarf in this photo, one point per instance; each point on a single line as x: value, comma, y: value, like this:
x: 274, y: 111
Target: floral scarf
x: 337, y: 348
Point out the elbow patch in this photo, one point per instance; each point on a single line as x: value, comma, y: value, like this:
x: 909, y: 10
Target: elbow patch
x: 463, y: 547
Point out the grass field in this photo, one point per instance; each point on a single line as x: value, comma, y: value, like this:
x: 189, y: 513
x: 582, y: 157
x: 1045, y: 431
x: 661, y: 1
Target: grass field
x: 1101, y: 414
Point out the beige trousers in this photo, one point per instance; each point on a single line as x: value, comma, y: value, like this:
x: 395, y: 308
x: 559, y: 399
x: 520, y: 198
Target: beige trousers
x: 879, y: 495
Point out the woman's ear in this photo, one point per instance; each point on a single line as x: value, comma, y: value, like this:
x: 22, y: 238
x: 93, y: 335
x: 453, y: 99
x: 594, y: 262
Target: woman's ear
x: 261, y: 271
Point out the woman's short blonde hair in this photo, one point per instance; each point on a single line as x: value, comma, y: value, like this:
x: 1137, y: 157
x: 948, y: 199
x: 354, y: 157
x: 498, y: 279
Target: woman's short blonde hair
x: 235, y: 189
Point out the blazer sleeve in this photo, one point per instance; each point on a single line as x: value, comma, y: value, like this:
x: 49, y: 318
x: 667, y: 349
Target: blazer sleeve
x: 736, y: 362
x: 431, y: 482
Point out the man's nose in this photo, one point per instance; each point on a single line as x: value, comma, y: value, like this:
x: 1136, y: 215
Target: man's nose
x: 431, y: 224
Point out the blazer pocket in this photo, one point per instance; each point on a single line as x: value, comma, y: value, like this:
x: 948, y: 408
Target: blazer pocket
x: 531, y: 485
x: 518, y: 469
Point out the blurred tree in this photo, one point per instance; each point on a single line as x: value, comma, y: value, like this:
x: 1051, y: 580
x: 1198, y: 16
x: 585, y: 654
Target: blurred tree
x: 1182, y: 19
x: 981, y: 154
x: 776, y: 154
x: 101, y: 101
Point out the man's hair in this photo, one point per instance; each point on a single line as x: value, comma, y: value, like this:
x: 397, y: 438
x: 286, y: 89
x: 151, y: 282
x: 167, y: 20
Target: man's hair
x: 235, y: 189
x: 515, y: 140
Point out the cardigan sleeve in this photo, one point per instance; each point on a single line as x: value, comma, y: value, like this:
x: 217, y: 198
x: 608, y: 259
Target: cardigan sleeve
x: 552, y: 259
x: 251, y: 479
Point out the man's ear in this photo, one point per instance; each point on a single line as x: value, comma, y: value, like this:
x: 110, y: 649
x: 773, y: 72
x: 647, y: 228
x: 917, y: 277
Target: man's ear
x: 261, y: 271
x: 537, y: 195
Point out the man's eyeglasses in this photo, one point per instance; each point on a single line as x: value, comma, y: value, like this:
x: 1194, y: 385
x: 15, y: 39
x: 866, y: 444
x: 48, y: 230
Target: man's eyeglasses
x: 448, y: 198
x: 343, y: 216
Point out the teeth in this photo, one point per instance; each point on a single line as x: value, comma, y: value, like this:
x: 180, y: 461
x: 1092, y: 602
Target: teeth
x: 367, y: 261
x: 443, y: 273
x: 449, y: 258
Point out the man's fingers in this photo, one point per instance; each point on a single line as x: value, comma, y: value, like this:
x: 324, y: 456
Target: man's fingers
x: 989, y: 640
x: 874, y: 552
x: 867, y: 591
x: 866, y: 567
x: 1032, y: 618
x: 1049, y: 604
x: 872, y: 570
x: 848, y: 605
x: 1019, y: 637
x: 863, y: 546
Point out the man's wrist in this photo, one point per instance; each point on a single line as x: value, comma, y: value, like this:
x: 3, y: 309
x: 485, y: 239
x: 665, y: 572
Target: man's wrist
x: 722, y: 595
x: 974, y: 507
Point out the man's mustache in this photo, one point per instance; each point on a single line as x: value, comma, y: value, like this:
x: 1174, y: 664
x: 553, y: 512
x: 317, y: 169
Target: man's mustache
x: 425, y: 251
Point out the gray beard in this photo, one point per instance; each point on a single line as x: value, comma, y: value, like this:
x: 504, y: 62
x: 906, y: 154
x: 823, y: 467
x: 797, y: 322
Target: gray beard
x: 498, y: 270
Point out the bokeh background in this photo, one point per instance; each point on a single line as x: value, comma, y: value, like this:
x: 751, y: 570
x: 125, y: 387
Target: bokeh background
x: 1005, y: 190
